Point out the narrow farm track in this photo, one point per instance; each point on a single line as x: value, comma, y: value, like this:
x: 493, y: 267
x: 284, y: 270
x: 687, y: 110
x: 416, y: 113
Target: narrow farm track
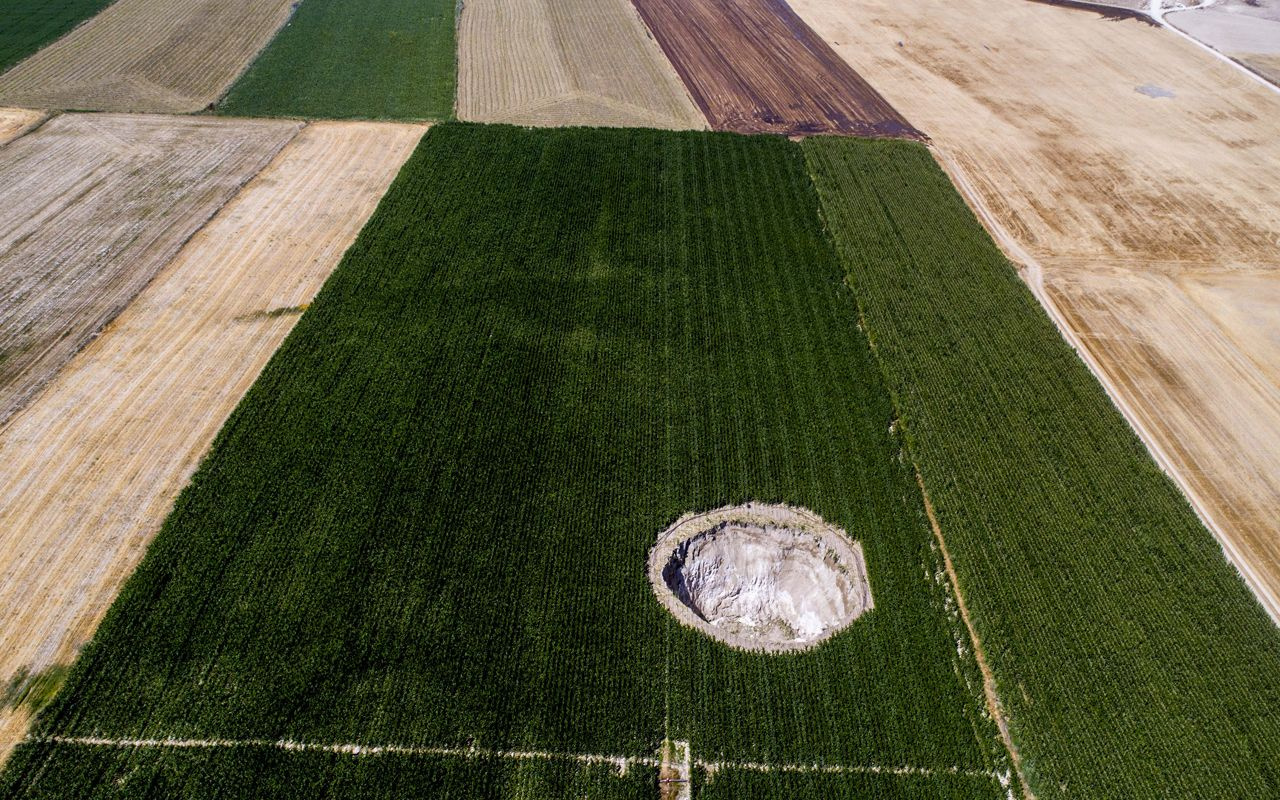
x: 147, y: 55
x: 90, y: 469
x: 16, y: 121
x: 566, y: 62
x: 97, y: 205
x: 1151, y: 220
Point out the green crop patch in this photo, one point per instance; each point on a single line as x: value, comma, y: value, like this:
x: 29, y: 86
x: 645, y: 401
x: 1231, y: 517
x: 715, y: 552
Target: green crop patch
x: 421, y: 541
x: 372, y: 59
x: 31, y: 24
x: 1131, y: 658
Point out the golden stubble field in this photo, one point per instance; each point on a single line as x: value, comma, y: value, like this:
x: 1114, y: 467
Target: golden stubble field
x: 566, y: 62
x: 1135, y: 177
x: 95, y: 205
x: 89, y: 470
x: 16, y: 121
x: 168, y: 56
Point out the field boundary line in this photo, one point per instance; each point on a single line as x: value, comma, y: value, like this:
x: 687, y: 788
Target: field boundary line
x: 989, y: 687
x: 621, y: 763
x: 1032, y: 274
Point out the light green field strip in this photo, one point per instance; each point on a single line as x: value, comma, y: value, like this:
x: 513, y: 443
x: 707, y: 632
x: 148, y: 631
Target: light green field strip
x: 1131, y: 659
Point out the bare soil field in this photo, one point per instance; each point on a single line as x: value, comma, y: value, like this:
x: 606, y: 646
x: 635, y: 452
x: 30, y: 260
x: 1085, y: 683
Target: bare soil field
x: 566, y: 62
x: 16, y: 121
x: 1134, y: 175
x: 755, y: 67
x: 147, y: 55
x: 95, y: 206
x: 89, y: 470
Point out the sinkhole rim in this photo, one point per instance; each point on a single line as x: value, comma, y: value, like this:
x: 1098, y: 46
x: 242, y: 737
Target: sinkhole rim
x: 800, y: 523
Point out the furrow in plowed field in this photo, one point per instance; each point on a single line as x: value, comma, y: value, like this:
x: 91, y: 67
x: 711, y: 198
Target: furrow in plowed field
x: 95, y: 206
x: 566, y: 62
x: 1128, y: 165
x: 147, y: 55
x: 754, y: 66
x: 89, y: 470
x: 16, y: 121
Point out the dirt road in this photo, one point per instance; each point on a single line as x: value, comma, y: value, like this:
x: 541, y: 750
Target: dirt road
x: 1138, y: 173
x: 753, y: 66
x: 89, y: 469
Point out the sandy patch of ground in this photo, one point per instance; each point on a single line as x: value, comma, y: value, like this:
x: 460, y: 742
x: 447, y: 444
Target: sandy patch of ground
x: 89, y: 469
x: 95, y: 205
x: 16, y: 121
x: 566, y: 62
x: 1117, y: 196
x: 147, y: 55
x: 1229, y: 29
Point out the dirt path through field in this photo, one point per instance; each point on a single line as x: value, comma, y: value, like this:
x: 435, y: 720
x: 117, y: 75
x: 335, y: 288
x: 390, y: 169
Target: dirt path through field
x: 89, y: 469
x: 566, y: 62
x: 16, y: 121
x: 168, y: 56
x: 95, y: 205
x: 1135, y: 175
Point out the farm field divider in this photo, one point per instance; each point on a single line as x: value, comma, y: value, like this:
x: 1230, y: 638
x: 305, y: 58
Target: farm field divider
x: 1131, y: 659
x: 377, y: 59
x: 427, y: 524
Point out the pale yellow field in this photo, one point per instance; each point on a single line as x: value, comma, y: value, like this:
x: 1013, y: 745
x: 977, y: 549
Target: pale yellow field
x: 566, y: 62
x: 1154, y: 222
x: 89, y: 470
x: 16, y: 121
x: 171, y: 56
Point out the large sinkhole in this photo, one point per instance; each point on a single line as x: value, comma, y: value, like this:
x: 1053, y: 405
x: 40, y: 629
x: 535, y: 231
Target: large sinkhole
x: 760, y: 577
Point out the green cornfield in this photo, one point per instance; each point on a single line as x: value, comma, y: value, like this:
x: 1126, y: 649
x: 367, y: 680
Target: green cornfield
x: 426, y: 527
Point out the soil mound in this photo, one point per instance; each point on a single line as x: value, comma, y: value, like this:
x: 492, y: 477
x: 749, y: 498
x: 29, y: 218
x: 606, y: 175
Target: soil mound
x: 760, y: 577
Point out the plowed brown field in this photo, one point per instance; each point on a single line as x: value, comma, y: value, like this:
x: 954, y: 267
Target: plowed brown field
x: 147, y: 55
x: 566, y: 62
x: 94, y: 206
x: 754, y: 66
x: 89, y: 470
x: 16, y: 121
x: 1152, y: 220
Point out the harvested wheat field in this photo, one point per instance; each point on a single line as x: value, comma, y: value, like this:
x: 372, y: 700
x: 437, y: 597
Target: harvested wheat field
x: 755, y: 67
x: 566, y: 62
x: 1121, y: 164
x: 16, y: 121
x: 90, y: 469
x: 168, y: 56
x: 97, y: 205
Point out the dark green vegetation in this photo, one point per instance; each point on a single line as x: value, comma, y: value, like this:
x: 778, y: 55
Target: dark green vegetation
x: 1131, y: 658
x: 428, y: 522
x: 373, y: 59
x: 33, y: 689
x: 28, y: 25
